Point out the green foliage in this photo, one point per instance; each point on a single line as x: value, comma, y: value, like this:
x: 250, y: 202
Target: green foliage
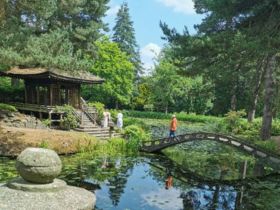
x: 135, y: 121
x: 118, y: 144
x: 233, y: 50
x: 112, y: 147
x: 75, y: 24
x: 173, y: 93
x: 142, y: 94
x: 268, y: 145
x: 6, y: 107
x: 135, y: 136
x: 44, y: 144
x: 182, y: 116
x: 47, y: 122
x: 100, y: 108
x: 149, y: 107
x: 275, y: 127
x: 232, y: 120
x: 9, y: 92
x: 114, y: 114
x: 69, y: 120
x: 114, y: 66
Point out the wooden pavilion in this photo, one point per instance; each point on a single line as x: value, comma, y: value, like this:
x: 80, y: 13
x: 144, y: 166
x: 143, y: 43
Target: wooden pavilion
x: 52, y: 87
x: 46, y: 88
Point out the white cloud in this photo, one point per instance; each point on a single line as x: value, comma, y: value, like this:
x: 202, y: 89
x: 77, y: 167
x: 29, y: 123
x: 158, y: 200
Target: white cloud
x: 184, y: 6
x: 113, y: 10
x: 148, y: 55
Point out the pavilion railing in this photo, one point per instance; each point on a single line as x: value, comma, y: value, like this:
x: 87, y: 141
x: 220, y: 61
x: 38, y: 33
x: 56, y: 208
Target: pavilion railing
x: 90, y: 112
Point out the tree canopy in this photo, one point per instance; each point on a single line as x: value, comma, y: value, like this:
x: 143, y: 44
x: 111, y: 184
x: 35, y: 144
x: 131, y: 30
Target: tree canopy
x: 236, y: 48
x: 115, y: 66
x: 31, y: 31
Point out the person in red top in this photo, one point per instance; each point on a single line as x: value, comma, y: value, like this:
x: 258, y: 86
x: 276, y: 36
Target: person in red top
x: 169, y: 182
x: 173, y: 126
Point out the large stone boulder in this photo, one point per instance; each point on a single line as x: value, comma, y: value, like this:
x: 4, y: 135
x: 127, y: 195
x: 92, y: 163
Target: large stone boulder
x: 38, y: 165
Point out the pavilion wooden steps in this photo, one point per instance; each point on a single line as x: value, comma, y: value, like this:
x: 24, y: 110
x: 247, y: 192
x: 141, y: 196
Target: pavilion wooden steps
x: 87, y: 126
x: 99, y: 132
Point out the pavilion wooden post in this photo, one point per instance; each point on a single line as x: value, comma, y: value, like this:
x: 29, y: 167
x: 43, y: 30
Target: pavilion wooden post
x: 51, y: 95
x: 40, y: 116
x: 59, y: 95
x: 38, y: 94
x: 79, y: 96
x: 25, y: 92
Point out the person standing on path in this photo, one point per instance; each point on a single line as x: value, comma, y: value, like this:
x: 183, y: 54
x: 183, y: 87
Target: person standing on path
x: 173, y: 126
x: 106, y: 118
x: 120, y: 120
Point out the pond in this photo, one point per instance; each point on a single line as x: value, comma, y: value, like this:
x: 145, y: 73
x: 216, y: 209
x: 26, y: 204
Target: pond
x: 192, y: 176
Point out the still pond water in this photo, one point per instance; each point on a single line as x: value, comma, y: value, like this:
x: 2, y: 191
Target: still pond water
x: 201, y: 175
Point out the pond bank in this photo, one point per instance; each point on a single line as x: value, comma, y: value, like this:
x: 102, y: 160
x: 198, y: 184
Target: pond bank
x: 14, y: 140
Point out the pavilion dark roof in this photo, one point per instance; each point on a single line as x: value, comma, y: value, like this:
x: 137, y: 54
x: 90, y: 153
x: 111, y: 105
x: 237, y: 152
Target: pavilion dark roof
x: 81, y: 77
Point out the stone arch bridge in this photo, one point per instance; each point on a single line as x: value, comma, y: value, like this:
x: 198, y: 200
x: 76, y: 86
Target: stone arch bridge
x: 160, y: 144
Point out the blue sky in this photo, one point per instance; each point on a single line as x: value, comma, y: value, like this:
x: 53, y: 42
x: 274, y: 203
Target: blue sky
x: 146, y: 15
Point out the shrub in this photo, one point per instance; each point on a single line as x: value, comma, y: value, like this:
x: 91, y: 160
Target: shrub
x: 135, y: 136
x: 182, y: 116
x: 114, y: 114
x: 100, y: 108
x: 7, y: 107
x: 117, y: 144
x: 46, y: 122
x: 268, y: 145
x: 233, y: 119
x: 44, y: 144
x: 275, y: 128
x: 149, y: 107
x: 69, y: 120
x: 134, y: 121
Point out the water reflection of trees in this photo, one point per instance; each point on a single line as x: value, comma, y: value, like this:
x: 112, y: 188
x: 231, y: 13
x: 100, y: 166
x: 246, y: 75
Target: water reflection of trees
x: 90, y: 173
x: 198, y: 193
x: 118, y: 182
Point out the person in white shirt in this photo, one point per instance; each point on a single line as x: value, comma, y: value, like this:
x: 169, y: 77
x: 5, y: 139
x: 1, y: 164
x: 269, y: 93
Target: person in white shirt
x: 106, y: 118
x: 120, y: 120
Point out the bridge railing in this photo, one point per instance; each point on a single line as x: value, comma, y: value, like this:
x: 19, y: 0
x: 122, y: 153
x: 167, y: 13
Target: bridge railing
x: 159, y: 144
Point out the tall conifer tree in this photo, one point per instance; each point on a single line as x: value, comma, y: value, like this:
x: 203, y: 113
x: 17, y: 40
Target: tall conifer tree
x: 124, y: 35
x: 40, y: 32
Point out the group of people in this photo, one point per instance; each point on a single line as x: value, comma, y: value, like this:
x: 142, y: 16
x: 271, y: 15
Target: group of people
x: 107, y: 121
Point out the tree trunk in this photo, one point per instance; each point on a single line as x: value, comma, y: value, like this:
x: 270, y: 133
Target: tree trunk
x: 268, y: 99
x: 252, y: 111
x: 233, y: 100
x: 166, y: 109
